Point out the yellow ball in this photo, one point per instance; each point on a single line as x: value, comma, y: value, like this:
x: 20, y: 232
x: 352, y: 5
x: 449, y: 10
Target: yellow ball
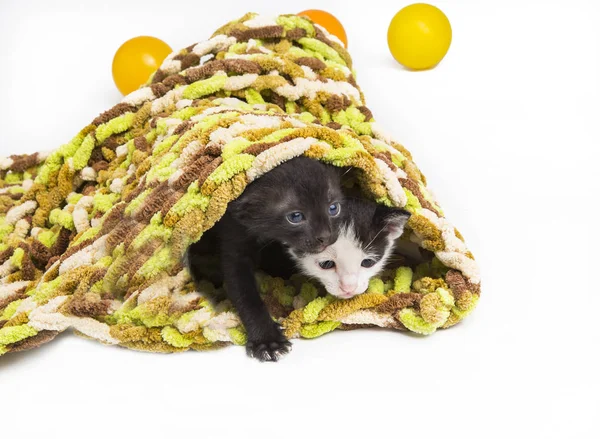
x: 419, y: 36
x: 136, y: 60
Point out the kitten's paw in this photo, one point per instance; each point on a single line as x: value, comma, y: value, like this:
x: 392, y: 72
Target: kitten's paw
x: 268, y: 349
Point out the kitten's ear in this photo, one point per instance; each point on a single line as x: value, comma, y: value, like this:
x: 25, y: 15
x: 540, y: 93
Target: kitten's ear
x: 392, y: 219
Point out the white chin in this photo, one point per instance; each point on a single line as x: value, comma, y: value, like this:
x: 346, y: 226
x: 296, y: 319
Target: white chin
x: 343, y: 295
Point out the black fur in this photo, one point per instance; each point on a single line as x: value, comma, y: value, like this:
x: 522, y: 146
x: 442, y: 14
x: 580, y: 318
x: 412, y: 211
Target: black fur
x: 258, y: 219
x: 373, y: 223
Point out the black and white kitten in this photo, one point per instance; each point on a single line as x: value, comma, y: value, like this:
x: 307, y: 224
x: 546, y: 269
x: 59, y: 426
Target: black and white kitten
x: 366, y: 240
x: 296, y: 205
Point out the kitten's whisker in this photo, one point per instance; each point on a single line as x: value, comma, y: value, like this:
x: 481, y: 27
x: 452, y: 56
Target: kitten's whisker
x: 269, y: 242
x: 374, y: 238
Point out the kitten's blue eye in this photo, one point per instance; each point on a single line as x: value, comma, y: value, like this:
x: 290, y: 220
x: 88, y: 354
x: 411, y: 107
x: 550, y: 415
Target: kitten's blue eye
x: 327, y: 265
x: 368, y: 263
x: 334, y: 209
x: 295, y: 217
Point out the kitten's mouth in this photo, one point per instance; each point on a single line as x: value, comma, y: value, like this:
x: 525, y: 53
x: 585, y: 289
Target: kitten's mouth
x: 341, y: 294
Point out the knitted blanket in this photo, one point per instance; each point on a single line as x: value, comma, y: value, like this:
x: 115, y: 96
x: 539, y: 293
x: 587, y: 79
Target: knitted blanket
x: 93, y: 235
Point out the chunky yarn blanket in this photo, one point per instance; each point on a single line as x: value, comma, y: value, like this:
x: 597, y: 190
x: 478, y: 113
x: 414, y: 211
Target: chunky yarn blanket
x: 93, y: 235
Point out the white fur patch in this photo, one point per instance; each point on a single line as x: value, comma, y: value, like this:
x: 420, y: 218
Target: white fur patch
x: 348, y: 278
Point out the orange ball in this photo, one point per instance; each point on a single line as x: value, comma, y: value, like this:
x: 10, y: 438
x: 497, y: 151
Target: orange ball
x: 136, y: 60
x: 328, y: 21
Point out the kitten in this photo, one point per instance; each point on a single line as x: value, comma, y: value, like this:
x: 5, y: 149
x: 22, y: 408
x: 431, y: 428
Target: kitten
x: 296, y: 205
x: 366, y: 240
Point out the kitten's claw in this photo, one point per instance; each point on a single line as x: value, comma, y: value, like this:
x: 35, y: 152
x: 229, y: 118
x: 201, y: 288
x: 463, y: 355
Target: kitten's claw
x: 266, y: 350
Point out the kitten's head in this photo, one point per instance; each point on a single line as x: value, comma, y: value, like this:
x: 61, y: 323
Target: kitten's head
x: 366, y: 239
x: 298, y: 204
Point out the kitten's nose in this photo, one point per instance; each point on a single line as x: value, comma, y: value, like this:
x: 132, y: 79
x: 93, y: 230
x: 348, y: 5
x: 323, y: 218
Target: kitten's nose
x: 324, y: 238
x: 348, y: 284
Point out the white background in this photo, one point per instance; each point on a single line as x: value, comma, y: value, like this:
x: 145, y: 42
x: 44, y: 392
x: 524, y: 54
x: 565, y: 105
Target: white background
x: 507, y: 130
